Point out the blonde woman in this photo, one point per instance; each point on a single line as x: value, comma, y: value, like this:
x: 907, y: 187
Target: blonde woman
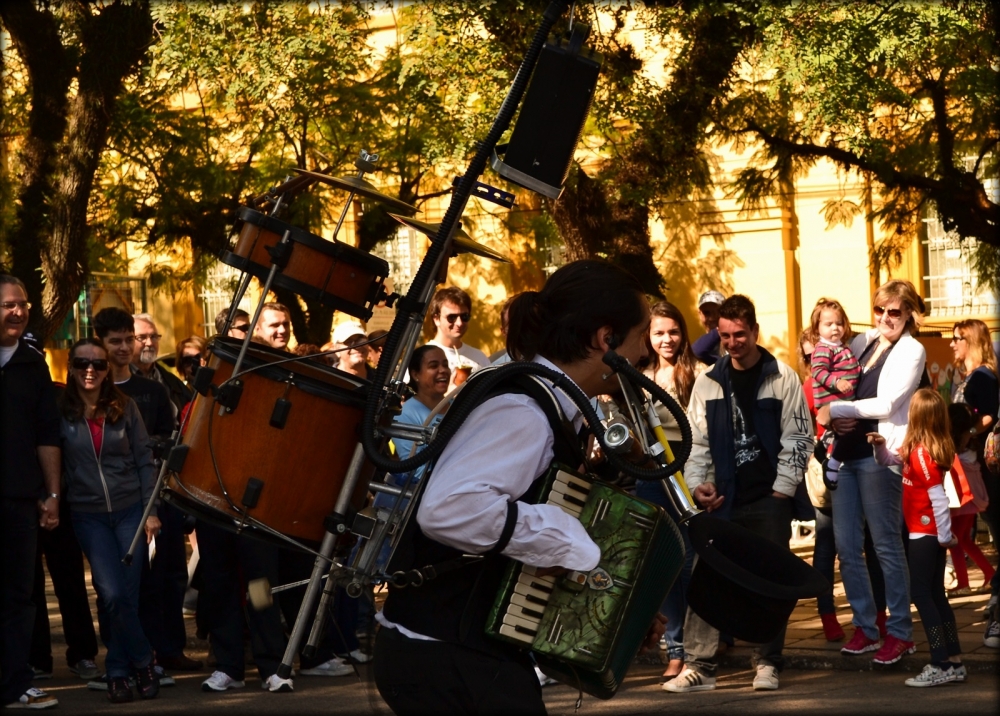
x: 892, y: 363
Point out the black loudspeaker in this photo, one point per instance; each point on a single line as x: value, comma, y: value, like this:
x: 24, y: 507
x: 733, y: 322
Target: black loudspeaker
x: 744, y: 584
x: 552, y: 115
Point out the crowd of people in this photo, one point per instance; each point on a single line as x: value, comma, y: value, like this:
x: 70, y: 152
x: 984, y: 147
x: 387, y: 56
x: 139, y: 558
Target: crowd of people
x: 893, y: 473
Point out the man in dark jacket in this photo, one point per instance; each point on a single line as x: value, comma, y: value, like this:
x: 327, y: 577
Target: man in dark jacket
x: 751, y: 439
x: 29, y: 490
x: 146, y: 351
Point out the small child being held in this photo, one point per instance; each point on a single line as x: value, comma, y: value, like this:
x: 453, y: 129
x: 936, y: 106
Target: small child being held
x: 835, y: 373
x: 926, y: 454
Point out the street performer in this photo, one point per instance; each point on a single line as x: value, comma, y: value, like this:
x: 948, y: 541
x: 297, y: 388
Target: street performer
x: 432, y: 654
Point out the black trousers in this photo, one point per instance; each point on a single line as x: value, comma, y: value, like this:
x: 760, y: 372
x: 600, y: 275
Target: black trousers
x: 418, y: 677
x: 18, y: 542
x: 227, y: 563
x: 926, y: 559
x: 161, y: 592
x: 64, y: 560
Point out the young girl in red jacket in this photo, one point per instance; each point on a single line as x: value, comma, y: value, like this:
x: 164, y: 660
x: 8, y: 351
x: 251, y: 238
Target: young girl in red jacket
x: 926, y: 454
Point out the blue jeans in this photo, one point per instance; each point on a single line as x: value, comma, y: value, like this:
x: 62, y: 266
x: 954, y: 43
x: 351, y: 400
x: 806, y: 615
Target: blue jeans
x: 105, y: 538
x: 870, y: 492
x: 824, y: 556
x: 675, y: 604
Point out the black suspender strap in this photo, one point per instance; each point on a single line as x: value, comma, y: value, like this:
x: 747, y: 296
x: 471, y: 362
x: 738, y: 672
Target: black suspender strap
x: 508, y: 530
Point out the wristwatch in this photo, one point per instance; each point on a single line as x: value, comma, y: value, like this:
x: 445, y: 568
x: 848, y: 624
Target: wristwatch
x: 54, y: 495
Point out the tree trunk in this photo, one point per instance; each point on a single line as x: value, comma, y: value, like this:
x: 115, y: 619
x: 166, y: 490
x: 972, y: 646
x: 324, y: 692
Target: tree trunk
x: 66, y: 139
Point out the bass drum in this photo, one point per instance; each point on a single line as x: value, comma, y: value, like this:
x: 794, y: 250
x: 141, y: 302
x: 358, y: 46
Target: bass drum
x: 283, y: 448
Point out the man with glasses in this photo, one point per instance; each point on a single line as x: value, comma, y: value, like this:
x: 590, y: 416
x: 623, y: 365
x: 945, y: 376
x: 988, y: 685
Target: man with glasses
x: 240, y: 326
x: 451, y: 311
x: 30, y: 466
x: 146, y: 351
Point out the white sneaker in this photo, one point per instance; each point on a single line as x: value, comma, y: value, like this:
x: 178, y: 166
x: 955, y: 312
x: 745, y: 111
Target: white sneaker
x: 333, y: 667
x: 360, y: 656
x: 766, y: 679
x: 86, y: 669
x: 931, y: 676
x: 34, y: 699
x: 221, y: 681
x: 276, y: 684
x: 690, y: 680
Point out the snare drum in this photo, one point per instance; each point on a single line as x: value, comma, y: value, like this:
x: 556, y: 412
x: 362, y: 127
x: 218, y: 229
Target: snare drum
x: 290, y: 439
x: 335, y: 274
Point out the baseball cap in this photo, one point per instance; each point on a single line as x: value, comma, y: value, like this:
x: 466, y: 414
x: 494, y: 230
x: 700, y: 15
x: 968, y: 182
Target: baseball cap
x: 348, y: 330
x: 710, y: 297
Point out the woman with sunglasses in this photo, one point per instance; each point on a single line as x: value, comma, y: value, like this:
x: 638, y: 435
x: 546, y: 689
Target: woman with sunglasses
x: 892, y: 364
x: 980, y: 390
x: 109, y: 473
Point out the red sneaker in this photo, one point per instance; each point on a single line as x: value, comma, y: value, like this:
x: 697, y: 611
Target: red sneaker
x: 880, y: 619
x: 893, y: 650
x: 859, y: 644
x: 831, y: 627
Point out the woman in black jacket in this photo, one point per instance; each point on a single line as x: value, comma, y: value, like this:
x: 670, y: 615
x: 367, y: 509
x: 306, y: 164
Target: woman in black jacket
x: 109, y: 473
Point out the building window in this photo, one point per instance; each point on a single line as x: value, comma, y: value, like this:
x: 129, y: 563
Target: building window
x: 951, y: 287
x: 404, y: 254
x: 103, y: 290
x: 221, y: 283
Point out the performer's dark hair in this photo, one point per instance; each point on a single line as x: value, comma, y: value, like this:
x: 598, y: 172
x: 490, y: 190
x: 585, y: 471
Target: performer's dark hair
x: 739, y: 308
x: 112, y: 319
x: 110, y: 401
x: 559, y: 321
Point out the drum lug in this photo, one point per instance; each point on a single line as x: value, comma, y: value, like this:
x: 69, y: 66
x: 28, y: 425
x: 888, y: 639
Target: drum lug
x: 228, y: 395
x: 178, y: 454
x: 251, y: 493
x: 280, y: 253
x: 336, y: 523
x: 279, y: 416
x: 202, y: 382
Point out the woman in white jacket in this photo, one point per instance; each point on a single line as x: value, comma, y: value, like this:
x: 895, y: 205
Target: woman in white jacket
x: 892, y: 363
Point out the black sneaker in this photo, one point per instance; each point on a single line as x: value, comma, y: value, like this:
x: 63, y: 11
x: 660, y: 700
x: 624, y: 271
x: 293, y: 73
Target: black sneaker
x: 119, y: 692
x: 147, y: 683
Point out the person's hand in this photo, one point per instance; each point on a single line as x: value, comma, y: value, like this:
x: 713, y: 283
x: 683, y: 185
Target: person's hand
x: 152, y: 527
x: 875, y: 438
x: 823, y: 415
x: 781, y: 495
x: 656, y: 631
x: 844, y: 387
x: 48, y: 513
x: 950, y: 543
x: 551, y: 571
x: 706, y: 496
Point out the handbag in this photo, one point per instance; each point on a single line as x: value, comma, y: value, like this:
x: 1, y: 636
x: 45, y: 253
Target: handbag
x: 819, y: 495
x: 991, y: 450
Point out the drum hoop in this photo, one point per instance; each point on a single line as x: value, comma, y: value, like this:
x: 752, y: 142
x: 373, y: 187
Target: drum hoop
x: 356, y: 398
x: 336, y: 249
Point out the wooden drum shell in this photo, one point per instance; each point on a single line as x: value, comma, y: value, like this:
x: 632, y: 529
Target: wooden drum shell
x: 332, y: 272
x: 302, y: 465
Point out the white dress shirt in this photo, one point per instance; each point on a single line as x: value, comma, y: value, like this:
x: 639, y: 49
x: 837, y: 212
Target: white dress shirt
x: 494, y: 457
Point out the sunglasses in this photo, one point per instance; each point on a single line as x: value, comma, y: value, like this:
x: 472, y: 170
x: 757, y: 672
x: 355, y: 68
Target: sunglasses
x: 243, y: 327
x: 98, y: 364
x: 891, y: 312
x: 452, y: 317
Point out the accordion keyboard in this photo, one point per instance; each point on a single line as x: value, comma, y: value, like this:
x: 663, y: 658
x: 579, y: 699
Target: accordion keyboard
x: 532, y: 592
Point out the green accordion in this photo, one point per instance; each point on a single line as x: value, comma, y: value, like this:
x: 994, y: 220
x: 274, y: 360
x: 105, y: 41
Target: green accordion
x: 585, y: 629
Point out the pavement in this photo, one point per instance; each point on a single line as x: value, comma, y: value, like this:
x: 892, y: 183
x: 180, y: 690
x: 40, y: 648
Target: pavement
x: 806, y: 646
x: 817, y: 680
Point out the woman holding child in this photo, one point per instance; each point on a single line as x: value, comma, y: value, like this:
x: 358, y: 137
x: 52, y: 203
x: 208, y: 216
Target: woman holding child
x: 892, y: 363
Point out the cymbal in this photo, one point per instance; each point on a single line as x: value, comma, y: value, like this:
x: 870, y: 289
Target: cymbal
x: 463, y: 243
x: 362, y: 186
